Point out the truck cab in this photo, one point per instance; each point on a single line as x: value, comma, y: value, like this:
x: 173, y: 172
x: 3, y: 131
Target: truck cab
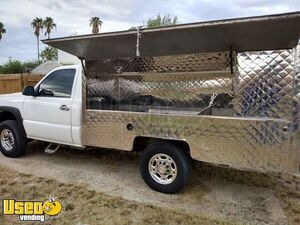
x: 50, y: 111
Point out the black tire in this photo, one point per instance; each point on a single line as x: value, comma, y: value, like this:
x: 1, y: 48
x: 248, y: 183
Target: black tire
x: 178, y: 155
x: 20, y: 142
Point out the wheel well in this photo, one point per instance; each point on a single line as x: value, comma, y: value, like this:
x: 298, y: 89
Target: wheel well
x: 7, y: 116
x: 11, y: 113
x: 140, y: 143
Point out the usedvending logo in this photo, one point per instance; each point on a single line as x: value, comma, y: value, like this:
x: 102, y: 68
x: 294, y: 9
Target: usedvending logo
x: 31, y: 210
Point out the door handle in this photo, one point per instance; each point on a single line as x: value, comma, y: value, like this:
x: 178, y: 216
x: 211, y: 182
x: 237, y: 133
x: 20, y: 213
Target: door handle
x: 64, y: 108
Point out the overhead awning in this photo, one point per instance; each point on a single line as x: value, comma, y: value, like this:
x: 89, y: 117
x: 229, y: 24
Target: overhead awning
x: 279, y: 31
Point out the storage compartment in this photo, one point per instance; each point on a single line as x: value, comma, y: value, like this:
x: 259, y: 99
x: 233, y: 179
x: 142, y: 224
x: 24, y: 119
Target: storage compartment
x: 197, y: 84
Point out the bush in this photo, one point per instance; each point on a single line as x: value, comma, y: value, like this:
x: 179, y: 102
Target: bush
x: 30, y: 65
x: 15, y: 66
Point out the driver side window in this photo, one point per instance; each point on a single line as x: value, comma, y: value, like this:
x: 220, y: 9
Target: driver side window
x: 58, y: 84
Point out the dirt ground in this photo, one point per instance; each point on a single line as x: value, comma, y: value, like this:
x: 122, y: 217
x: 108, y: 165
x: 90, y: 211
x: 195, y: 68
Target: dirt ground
x: 83, y: 206
x: 214, y: 196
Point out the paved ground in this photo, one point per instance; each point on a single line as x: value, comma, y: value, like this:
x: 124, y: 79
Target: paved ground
x: 117, y: 174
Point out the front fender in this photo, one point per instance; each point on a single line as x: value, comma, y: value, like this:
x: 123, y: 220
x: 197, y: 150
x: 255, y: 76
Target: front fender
x: 7, y: 111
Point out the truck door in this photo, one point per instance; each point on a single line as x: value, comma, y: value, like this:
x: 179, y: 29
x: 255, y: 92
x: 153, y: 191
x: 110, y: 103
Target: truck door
x: 47, y: 116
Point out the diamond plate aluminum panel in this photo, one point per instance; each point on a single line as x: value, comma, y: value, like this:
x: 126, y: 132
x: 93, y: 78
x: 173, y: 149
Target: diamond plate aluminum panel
x: 297, y: 77
x: 191, y: 92
x: 160, y: 64
x: 237, y: 142
x: 257, y: 135
x: 145, y: 84
x: 296, y: 108
x: 264, y: 84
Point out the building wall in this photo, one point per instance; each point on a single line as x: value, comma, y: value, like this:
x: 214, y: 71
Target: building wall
x: 66, y: 58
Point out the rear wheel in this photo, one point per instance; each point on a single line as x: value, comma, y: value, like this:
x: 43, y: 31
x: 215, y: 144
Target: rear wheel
x: 165, y: 167
x: 12, y: 141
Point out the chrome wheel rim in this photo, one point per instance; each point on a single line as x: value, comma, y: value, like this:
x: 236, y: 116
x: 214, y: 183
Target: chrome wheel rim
x: 7, y: 140
x: 162, y: 169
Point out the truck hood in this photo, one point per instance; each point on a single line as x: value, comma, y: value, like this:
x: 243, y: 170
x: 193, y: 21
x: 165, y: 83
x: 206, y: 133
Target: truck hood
x: 13, y: 95
x: 12, y: 100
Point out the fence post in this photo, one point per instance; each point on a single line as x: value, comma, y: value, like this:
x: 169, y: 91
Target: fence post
x: 22, y: 82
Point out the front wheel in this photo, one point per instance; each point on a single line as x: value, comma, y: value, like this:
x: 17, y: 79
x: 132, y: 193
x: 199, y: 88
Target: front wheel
x: 12, y: 141
x: 165, y: 167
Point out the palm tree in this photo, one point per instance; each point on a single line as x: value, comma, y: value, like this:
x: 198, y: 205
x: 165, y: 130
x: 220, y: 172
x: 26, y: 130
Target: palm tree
x: 2, y: 30
x: 49, y: 25
x: 37, y: 25
x: 96, y: 23
x: 162, y: 20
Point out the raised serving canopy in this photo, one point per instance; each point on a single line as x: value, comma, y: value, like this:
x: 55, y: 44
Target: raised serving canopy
x: 279, y: 31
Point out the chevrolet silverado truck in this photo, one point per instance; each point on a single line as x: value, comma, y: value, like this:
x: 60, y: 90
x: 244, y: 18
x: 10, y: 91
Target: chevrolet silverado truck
x: 198, y: 91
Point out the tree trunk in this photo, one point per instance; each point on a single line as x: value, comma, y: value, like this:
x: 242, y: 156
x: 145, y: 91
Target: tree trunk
x: 38, y: 47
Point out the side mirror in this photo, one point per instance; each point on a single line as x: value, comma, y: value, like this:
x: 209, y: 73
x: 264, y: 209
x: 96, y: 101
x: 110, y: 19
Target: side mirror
x: 29, y: 91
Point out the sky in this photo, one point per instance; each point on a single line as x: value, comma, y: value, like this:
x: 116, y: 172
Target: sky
x: 72, y: 17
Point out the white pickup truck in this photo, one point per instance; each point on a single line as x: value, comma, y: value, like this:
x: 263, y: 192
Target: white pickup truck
x: 193, y: 91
